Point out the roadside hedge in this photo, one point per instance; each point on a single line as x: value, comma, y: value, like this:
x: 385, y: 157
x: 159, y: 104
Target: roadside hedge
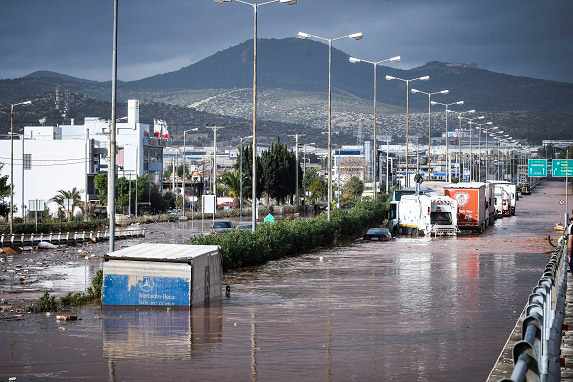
x: 294, y: 237
x: 73, y: 226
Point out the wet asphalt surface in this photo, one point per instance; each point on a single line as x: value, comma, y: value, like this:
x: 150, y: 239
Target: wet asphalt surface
x: 414, y: 309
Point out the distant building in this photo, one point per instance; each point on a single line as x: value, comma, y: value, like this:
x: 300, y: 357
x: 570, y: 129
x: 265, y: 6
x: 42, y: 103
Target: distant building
x: 52, y: 158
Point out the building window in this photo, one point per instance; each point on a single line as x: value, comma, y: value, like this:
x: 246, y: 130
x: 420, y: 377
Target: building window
x: 27, y: 161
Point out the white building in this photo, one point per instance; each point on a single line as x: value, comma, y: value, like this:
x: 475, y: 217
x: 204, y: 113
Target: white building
x: 53, y: 158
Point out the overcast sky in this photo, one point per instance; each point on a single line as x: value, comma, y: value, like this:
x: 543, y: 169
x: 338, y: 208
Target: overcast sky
x: 521, y: 37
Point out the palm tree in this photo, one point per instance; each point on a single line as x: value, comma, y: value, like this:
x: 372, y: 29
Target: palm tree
x: 232, y: 181
x: 62, y: 195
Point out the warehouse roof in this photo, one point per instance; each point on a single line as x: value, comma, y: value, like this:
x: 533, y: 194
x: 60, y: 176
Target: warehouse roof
x: 162, y: 252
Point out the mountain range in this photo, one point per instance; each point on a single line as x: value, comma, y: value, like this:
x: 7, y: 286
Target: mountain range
x: 292, y: 81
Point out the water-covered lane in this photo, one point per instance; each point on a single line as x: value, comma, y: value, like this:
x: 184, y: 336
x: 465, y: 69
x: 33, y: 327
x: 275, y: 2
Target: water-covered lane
x: 410, y: 309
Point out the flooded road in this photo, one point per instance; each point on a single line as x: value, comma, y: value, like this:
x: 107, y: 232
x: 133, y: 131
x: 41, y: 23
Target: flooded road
x: 406, y: 310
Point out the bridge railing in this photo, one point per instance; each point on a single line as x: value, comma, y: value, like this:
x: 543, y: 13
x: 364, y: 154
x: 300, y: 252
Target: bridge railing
x: 536, y: 355
x: 67, y: 237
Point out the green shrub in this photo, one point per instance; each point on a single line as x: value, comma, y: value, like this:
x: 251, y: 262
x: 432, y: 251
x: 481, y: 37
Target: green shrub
x: 295, y: 236
x: 46, y: 303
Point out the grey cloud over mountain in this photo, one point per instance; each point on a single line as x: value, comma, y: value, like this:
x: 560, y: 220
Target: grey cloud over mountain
x: 74, y: 36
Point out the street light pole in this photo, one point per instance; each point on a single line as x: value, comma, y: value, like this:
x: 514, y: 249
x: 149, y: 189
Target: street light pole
x: 354, y: 36
x: 112, y: 136
x: 215, y: 128
x: 12, y: 161
x: 424, y: 78
x: 448, y: 161
x: 470, y: 121
x: 375, y: 148
x: 414, y: 91
x: 255, y: 6
x: 479, y: 128
x: 184, y: 168
x: 296, y: 136
x: 241, y: 178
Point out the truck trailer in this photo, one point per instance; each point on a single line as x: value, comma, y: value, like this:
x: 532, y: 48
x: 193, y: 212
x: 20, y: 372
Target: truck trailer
x: 511, y: 190
x: 471, y: 199
x: 424, y: 214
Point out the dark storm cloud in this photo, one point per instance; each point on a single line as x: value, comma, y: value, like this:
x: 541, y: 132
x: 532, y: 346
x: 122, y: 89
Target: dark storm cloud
x: 529, y: 38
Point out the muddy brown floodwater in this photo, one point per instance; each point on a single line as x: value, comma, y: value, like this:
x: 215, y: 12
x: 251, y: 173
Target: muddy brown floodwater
x: 406, y: 310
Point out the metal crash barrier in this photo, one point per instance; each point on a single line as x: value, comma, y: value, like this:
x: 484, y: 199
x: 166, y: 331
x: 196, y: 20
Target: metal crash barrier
x: 536, y: 356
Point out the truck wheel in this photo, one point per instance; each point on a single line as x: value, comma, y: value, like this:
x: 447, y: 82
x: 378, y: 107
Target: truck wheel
x: 415, y: 232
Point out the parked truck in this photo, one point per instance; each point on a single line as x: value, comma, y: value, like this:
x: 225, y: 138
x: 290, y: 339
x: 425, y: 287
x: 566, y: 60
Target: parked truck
x: 502, y: 202
x: 490, y: 203
x: 424, y: 214
x: 511, y: 190
x: 471, y: 199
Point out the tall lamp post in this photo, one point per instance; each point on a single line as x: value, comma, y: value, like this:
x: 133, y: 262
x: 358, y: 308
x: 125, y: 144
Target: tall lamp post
x: 112, y: 136
x: 241, y: 178
x: 414, y: 91
x: 470, y: 122
x: 184, y: 168
x: 354, y: 36
x: 424, y: 78
x: 304, y: 169
x: 460, y: 165
x: 375, y: 148
x: 296, y: 137
x: 255, y: 7
x: 448, y: 162
x: 12, y: 161
x: 215, y: 128
x: 487, y: 133
x: 479, y: 128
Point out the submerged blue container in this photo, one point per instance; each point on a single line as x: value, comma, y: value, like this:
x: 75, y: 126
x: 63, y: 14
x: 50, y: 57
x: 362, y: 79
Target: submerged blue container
x: 162, y: 275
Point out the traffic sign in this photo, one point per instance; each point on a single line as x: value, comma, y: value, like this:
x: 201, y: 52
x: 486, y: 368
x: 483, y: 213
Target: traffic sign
x: 562, y: 167
x: 537, y: 167
x: 561, y: 202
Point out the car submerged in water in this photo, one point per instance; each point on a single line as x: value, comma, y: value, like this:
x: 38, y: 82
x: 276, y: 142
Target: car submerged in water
x: 378, y: 234
x: 221, y: 226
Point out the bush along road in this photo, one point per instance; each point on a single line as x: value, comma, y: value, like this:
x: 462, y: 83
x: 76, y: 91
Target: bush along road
x: 295, y: 237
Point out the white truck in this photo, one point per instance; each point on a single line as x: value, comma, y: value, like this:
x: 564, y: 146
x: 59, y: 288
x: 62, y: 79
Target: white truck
x: 502, y: 202
x: 510, y: 189
x: 424, y: 214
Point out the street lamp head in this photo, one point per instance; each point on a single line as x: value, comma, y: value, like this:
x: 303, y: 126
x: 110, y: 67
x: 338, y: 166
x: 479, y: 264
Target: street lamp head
x: 493, y: 128
x: 390, y: 78
x: 480, y: 117
x: 488, y: 123
x: 395, y: 59
x: 415, y: 91
x: 289, y: 2
x: 424, y: 78
x: 444, y: 92
x: 222, y: 1
x: 354, y: 60
x: 434, y: 103
x: 303, y: 35
x: 26, y: 103
x: 460, y: 103
x: 356, y: 36
x: 471, y: 111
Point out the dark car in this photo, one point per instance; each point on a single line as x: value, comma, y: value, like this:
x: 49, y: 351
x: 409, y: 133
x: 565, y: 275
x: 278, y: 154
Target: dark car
x: 222, y: 226
x: 377, y: 234
x: 244, y: 226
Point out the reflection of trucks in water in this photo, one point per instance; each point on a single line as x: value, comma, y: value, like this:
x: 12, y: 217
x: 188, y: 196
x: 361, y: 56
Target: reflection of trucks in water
x: 510, y: 189
x: 424, y: 214
x: 472, y: 210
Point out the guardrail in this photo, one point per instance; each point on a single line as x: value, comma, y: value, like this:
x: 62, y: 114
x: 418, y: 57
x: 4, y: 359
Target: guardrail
x: 21, y: 240
x: 536, y: 356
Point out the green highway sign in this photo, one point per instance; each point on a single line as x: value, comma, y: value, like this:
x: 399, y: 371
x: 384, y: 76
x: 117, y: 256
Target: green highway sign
x: 537, y: 167
x: 562, y: 167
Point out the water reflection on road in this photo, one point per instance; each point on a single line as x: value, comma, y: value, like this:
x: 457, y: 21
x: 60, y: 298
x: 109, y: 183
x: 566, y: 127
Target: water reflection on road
x: 410, y: 309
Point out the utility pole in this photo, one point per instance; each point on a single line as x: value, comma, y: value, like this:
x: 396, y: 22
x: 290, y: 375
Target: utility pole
x: 112, y: 136
x: 215, y: 128
x: 296, y: 137
x: 387, y: 162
